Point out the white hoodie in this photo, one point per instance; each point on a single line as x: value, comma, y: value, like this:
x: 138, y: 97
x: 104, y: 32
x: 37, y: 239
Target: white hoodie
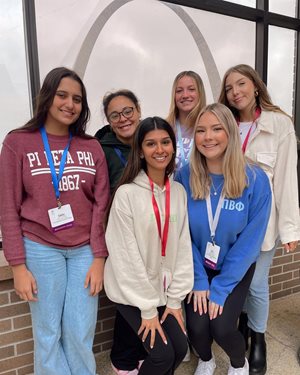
x: 135, y: 268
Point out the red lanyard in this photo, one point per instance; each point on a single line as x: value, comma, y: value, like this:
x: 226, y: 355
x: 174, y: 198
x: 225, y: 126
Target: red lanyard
x: 164, y: 236
x: 256, y: 116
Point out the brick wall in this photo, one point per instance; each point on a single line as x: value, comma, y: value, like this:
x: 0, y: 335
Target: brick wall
x: 285, y: 273
x: 16, y: 345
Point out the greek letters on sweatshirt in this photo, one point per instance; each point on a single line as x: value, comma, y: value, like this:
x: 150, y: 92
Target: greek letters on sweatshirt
x: 27, y: 193
x: 134, y: 268
x: 240, y: 231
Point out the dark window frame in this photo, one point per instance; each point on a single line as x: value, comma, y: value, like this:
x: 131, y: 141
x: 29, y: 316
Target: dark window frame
x: 263, y: 19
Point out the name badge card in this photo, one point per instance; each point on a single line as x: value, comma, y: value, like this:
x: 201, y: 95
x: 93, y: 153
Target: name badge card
x: 211, y: 255
x: 61, y: 218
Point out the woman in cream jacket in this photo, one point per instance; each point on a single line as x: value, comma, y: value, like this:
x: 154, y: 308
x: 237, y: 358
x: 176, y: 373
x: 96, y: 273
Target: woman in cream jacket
x: 268, y: 138
x: 149, y: 270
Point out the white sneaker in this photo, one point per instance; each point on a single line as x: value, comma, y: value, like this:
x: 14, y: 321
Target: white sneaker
x: 187, y: 357
x: 241, y: 370
x: 206, y: 367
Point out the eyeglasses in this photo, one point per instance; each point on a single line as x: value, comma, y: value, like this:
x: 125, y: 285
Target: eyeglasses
x: 126, y: 112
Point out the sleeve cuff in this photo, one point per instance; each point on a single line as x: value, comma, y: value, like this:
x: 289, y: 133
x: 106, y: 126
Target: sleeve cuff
x: 201, y: 284
x: 99, y: 253
x: 16, y: 262
x: 173, y: 303
x: 149, y: 314
x: 218, y: 298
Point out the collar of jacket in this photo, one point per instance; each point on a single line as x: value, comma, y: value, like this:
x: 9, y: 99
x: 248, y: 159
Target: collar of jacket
x: 265, y: 122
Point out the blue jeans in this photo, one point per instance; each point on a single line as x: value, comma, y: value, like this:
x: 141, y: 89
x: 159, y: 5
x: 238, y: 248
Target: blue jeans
x: 257, y: 301
x: 65, y: 315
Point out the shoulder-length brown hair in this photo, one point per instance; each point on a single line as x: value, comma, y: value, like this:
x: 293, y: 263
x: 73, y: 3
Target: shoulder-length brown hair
x: 234, y: 163
x: 135, y: 162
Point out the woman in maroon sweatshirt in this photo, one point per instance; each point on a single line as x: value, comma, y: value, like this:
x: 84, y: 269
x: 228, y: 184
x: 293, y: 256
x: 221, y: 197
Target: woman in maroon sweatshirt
x: 54, y: 192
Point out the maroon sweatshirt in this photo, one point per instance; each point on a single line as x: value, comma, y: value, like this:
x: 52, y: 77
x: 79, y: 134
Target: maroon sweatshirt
x: 27, y: 193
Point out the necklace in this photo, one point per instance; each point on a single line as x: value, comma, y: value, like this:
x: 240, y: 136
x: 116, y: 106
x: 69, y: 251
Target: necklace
x: 216, y: 188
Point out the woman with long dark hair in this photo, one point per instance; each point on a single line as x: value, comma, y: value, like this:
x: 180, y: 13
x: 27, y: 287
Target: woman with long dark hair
x: 122, y: 111
x: 54, y: 192
x: 149, y: 268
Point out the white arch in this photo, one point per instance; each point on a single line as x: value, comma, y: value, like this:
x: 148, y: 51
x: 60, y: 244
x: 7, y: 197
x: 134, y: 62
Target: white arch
x: 93, y: 34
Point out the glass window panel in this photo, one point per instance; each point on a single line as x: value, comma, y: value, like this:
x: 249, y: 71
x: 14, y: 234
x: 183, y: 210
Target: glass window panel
x: 281, y: 67
x: 285, y: 7
x: 133, y: 51
x: 14, y: 103
x: 248, y: 3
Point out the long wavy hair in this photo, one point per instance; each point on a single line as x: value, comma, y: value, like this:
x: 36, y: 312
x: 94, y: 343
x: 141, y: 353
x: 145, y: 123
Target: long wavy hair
x: 234, y: 162
x: 192, y: 116
x: 135, y: 163
x: 45, y: 99
x: 263, y: 99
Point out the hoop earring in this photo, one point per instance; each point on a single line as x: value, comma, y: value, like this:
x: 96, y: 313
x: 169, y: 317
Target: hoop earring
x: 256, y: 93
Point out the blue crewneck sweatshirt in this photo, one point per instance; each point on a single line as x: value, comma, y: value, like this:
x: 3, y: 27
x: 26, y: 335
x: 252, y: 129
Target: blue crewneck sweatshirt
x: 240, y: 231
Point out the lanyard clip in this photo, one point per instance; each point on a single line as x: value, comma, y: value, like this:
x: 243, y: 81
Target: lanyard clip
x: 213, y: 240
x: 58, y: 203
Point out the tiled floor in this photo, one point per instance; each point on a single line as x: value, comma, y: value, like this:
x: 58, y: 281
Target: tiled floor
x: 283, y: 339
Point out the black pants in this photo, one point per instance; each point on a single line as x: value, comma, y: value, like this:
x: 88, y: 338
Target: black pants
x: 162, y: 359
x: 202, y: 331
x: 127, y: 349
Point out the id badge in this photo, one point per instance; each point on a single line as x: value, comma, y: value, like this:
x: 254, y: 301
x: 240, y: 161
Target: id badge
x: 211, y: 255
x: 61, y: 218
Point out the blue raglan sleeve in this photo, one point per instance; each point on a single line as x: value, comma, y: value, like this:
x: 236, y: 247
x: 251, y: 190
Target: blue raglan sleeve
x: 246, y: 249
x: 200, y: 276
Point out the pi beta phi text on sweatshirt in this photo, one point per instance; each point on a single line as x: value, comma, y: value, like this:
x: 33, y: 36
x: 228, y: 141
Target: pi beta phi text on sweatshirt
x: 27, y: 193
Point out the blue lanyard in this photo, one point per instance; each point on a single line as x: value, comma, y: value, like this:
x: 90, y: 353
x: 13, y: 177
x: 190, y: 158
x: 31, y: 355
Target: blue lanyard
x: 179, y: 139
x: 120, y: 155
x: 55, y: 178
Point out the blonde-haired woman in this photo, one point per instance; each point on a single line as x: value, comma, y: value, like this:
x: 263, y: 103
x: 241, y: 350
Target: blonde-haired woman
x: 187, y: 99
x: 228, y: 205
x: 268, y: 137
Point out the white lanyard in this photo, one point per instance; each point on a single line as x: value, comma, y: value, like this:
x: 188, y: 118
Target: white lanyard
x: 213, y: 222
x: 180, y: 141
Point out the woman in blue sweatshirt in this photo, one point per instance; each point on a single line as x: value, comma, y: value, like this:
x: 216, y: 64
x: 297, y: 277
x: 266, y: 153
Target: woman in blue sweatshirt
x: 228, y: 205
